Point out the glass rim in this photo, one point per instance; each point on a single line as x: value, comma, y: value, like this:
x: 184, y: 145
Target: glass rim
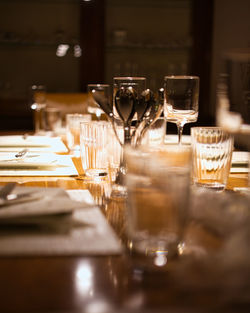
x: 77, y: 114
x: 98, y: 85
x: 181, y: 77
x: 102, y: 122
x: 129, y: 78
x: 208, y: 127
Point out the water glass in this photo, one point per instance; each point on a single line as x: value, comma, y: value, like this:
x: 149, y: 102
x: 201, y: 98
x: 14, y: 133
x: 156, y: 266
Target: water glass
x: 37, y: 94
x: 181, y: 95
x: 73, y: 129
x: 94, y: 152
x: 212, y: 154
x: 156, y: 177
x: 52, y: 120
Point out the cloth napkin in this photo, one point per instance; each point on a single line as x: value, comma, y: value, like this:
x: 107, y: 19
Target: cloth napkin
x: 55, y: 224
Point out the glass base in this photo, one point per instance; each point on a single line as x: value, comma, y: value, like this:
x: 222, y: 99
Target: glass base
x: 96, y: 173
x: 118, y: 191
x: 216, y: 186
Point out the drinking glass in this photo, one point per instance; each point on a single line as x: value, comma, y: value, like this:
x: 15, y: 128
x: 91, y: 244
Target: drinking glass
x: 212, y: 154
x: 94, y: 152
x: 73, y: 130
x: 181, y: 96
x: 156, y: 213
x: 138, y: 84
x: 38, y: 105
x: 93, y: 108
x: 52, y: 120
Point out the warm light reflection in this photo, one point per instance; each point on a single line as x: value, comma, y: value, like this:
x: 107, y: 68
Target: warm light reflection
x: 34, y: 106
x: 84, y: 279
x: 62, y: 50
x: 160, y: 259
x: 77, y: 51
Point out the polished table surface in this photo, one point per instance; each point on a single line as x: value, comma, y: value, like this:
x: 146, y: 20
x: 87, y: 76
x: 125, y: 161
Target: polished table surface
x: 98, y: 284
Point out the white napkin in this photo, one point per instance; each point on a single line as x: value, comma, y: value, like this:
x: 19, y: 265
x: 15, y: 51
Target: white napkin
x: 31, y: 159
x: 56, y: 224
x: 37, y: 164
x: 43, y: 207
x: 33, y: 143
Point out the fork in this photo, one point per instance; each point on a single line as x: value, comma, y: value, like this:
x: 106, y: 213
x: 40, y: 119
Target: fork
x: 21, y: 153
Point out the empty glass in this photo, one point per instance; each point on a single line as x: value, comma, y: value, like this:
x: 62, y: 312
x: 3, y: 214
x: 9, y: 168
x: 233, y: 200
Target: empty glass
x: 94, y: 152
x: 52, y: 120
x: 158, y: 182
x: 73, y: 130
x: 137, y: 83
x: 38, y: 105
x: 212, y: 154
x: 181, y: 100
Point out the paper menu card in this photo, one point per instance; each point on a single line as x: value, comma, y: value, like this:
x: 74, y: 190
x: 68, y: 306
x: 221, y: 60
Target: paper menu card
x: 33, y: 143
x: 88, y: 234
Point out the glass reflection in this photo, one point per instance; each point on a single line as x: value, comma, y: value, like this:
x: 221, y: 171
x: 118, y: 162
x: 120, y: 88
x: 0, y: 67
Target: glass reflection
x: 84, y: 279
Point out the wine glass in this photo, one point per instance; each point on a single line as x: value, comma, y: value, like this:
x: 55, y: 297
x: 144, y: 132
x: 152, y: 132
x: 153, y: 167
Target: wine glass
x: 181, y: 96
x: 135, y: 110
x: 93, y: 108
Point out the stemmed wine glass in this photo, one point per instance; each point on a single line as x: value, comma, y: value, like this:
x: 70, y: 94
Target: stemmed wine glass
x: 181, y: 96
x: 136, y: 108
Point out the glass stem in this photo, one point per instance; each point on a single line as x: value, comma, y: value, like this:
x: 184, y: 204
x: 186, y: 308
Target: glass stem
x: 180, y: 131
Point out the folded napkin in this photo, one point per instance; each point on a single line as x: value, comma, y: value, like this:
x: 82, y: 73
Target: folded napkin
x: 36, y: 164
x: 55, y: 224
x: 33, y: 143
x: 31, y: 159
x: 50, y: 208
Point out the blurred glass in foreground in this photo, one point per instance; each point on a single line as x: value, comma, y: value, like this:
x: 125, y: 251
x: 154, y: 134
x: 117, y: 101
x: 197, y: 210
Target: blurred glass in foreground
x: 158, y: 183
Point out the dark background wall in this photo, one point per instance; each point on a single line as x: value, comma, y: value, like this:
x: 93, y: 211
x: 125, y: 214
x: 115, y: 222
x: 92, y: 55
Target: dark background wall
x: 117, y: 37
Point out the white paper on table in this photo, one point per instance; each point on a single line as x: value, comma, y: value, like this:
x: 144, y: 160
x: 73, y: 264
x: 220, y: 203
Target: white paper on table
x: 42, y: 165
x: 33, y: 143
x: 90, y: 234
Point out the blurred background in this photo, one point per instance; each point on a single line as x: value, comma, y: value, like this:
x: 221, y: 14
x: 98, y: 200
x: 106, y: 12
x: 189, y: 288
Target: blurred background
x: 67, y: 44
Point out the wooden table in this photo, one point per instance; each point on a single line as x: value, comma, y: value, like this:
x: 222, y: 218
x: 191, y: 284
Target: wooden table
x: 98, y: 284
